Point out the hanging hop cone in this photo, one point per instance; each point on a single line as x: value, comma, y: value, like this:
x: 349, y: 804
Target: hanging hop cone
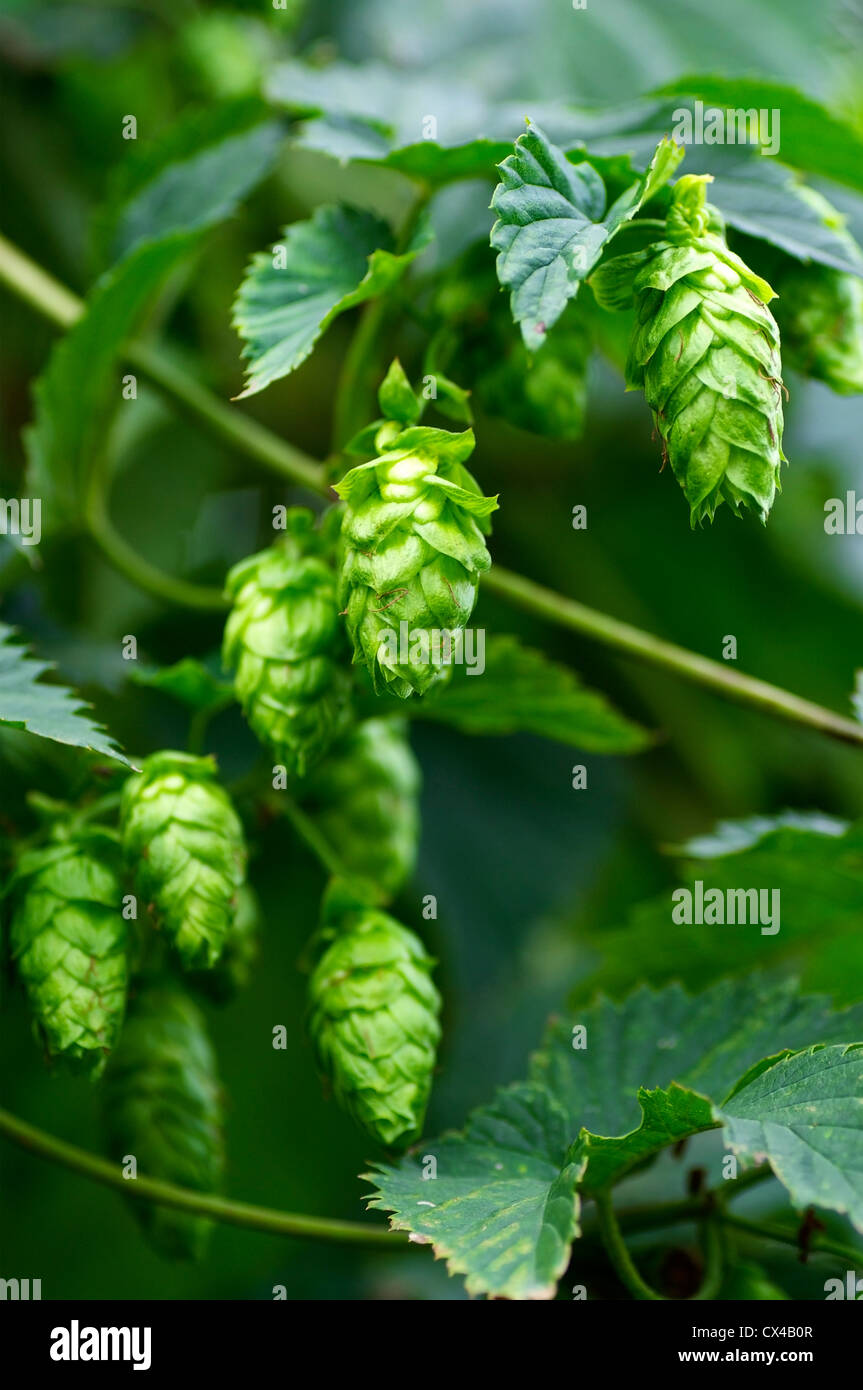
x: 69, y: 940
x: 705, y: 351
x: 413, y: 549
x: 284, y: 642
x: 364, y: 798
x: 184, y: 842
x: 374, y: 1024
x: 162, y: 1106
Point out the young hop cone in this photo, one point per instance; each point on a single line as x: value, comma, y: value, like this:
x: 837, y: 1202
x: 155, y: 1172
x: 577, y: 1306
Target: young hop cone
x: 705, y: 351
x: 283, y: 640
x: 820, y: 312
x: 69, y: 940
x: 412, y: 551
x: 162, y: 1106
x: 364, y: 798
x: 184, y: 841
x: 233, y: 970
x: 374, y: 1024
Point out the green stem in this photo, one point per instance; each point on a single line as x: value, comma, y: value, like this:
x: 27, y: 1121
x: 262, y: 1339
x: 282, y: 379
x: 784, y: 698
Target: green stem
x: 311, y: 836
x: 620, y: 1257
x: 141, y: 573
x: 818, y: 1244
x: 282, y: 1223
x: 43, y: 293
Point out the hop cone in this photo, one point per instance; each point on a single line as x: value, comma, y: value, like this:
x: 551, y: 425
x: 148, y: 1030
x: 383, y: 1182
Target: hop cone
x: 283, y: 640
x: 184, y: 840
x: 364, y: 798
x: 162, y: 1106
x: 705, y: 350
x: 374, y: 1024
x: 820, y: 313
x: 70, y: 941
x: 413, y: 551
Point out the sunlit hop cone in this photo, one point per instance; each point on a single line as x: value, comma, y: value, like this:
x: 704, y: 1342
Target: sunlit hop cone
x: 413, y: 551
x: 70, y: 943
x: 184, y: 841
x: 162, y: 1108
x: 705, y: 350
x: 374, y: 1023
x: 364, y: 797
x: 285, y: 644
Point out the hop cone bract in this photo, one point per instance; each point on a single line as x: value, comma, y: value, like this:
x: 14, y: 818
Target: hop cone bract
x: 705, y: 350
x: 374, y: 1024
x: 413, y: 551
x: 184, y: 840
x: 284, y: 642
x: 364, y: 797
x: 233, y: 970
x: 162, y: 1106
x: 70, y: 942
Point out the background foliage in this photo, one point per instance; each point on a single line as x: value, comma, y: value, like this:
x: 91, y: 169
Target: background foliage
x: 528, y: 873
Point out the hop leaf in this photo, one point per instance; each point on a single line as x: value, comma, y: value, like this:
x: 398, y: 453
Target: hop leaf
x: 184, y: 840
x: 413, y: 551
x: 162, y: 1105
x: 705, y: 350
x: 820, y: 313
x: 283, y: 639
x: 364, y: 798
x: 374, y: 1024
x: 70, y: 941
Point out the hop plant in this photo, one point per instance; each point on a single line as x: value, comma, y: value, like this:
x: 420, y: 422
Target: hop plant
x: 184, y: 840
x: 70, y: 943
x: 283, y: 640
x: 162, y: 1106
x: 364, y: 799
x: 374, y: 1023
x: 412, y: 546
x: 705, y: 351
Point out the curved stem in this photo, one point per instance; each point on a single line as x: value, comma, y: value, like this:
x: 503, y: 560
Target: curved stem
x: 618, y: 1253
x: 282, y: 1223
x: 146, y: 576
x: 32, y: 284
x: 311, y: 836
x: 713, y: 1247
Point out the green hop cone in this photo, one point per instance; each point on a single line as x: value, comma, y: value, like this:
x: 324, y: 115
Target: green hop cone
x: 364, y: 798
x: 705, y: 350
x: 162, y: 1106
x: 412, y: 552
x: 69, y: 940
x: 820, y: 313
x: 184, y: 841
x: 374, y: 1024
x: 284, y: 642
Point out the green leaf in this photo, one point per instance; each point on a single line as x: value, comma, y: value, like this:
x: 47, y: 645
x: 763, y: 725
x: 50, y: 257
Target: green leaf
x: 50, y: 711
x: 188, y: 681
x: 652, y: 1070
x: 500, y: 1205
x: 522, y: 691
x: 653, y: 1065
x: 189, y: 178
x: 338, y: 259
x: 81, y: 385
x: 552, y: 225
x: 805, y: 1117
x: 811, y: 137
x: 816, y: 865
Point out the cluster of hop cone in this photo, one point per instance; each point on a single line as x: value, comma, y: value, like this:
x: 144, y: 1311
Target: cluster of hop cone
x: 127, y: 907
